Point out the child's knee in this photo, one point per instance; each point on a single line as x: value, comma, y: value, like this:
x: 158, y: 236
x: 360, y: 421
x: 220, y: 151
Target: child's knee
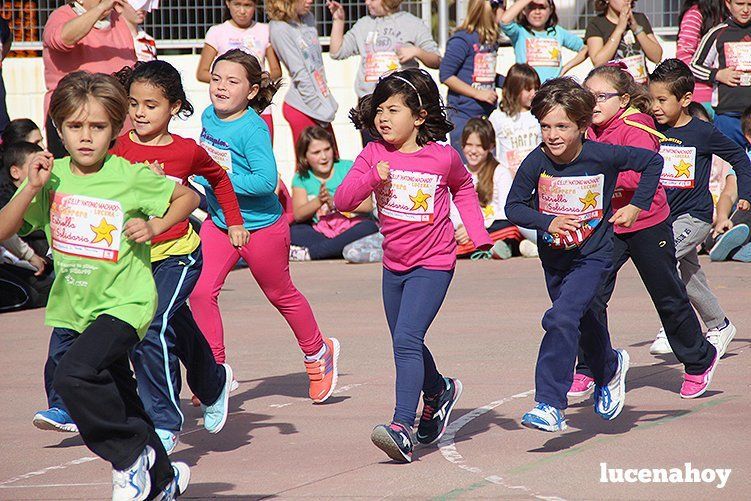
x: 69, y: 375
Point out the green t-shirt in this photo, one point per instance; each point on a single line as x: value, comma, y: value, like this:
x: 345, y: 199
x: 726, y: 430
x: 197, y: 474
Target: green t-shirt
x: 98, y: 270
x: 312, y: 185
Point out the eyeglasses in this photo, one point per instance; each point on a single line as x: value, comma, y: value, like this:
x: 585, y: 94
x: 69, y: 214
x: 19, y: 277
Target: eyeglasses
x: 604, y: 96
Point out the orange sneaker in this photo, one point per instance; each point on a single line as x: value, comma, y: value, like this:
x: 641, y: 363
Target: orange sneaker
x: 323, y: 372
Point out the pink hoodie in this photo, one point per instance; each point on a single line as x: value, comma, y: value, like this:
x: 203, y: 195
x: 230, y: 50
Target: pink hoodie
x: 413, y: 206
x: 617, y: 131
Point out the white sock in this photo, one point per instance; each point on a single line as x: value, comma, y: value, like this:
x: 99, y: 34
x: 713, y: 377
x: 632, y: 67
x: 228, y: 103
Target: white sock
x: 316, y: 356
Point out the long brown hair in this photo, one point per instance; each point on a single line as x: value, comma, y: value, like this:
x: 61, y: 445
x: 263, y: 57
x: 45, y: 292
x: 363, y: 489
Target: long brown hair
x: 308, y: 135
x: 484, y: 130
x: 520, y: 77
x: 624, y: 83
x: 480, y: 19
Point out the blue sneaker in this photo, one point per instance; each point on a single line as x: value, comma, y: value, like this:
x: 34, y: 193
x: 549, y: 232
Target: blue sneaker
x: 55, y: 419
x: 728, y: 242
x: 169, y: 439
x: 178, y: 485
x: 609, y: 399
x: 545, y: 417
x: 743, y: 255
x: 215, y: 415
x: 134, y: 483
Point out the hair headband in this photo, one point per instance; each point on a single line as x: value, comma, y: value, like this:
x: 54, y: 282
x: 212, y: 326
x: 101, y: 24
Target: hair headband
x: 419, y: 99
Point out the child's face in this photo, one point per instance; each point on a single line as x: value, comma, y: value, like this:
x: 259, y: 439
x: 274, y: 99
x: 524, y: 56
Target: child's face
x: 607, y: 101
x: 230, y: 90
x: 150, y: 110
x: 35, y: 137
x: 132, y: 15
x: 538, y: 12
x: 740, y: 10
x: 242, y: 12
x: 474, y: 152
x: 302, y: 7
x: 618, y: 5
x: 19, y: 173
x: 561, y: 135
x: 394, y: 120
x: 375, y: 8
x: 87, y: 135
x: 320, y: 157
x: 526, y: 96
x: 667, y: 108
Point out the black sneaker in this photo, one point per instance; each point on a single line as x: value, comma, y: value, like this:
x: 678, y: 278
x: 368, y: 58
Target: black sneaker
x: 395, y: 440
x: 436, y: 412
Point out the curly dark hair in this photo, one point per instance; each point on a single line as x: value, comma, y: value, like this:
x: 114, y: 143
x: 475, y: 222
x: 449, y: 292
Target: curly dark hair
x: 161, y: 75
x: 421, y: 96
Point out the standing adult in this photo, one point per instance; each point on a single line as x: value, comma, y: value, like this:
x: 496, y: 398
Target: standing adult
x: 619, y: 33
x: 89, y: 35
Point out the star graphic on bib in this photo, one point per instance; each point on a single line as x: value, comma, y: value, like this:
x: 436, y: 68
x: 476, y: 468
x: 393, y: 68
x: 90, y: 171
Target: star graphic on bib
x: 682, y: 169
x: 420, y: 201
x: 555, y: 54
x: 393, y: 66
x: 103, y: 232
x: 590, y: 200
x: 488, y: 211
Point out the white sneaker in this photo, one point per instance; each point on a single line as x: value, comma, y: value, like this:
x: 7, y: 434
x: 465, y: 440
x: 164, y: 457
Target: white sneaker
x: 134, y: 484
x: 721, y: 338
x: 609, y: 399
x: 178, y: 485
x: 297, y: 253
x: 527, y: 248
x: 660, y: 346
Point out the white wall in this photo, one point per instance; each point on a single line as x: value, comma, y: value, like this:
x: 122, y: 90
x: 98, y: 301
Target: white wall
x: 24, y: 82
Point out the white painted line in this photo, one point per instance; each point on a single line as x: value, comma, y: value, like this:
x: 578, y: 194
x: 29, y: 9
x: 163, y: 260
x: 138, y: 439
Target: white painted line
x: 63, y: 466
x: 447, y: 446
x: 52, y: 485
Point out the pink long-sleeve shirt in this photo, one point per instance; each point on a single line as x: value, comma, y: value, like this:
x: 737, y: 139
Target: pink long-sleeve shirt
x: 413, y: 205
x: 618, y: 132
x: 689, y: 36
x: 100, y: 51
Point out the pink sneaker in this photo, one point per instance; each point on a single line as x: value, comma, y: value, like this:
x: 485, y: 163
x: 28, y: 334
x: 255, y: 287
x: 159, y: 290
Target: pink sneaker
x: 695, y: 385
x: 582, y: 386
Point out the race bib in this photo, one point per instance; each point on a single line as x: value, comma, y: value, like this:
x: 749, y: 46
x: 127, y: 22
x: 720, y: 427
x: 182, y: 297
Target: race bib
x: 86, y: 227
x: 320, y: 79
x: 738, y: 55
x: 221, y: 156
x: 579, y: 196
x: 679, y: 170
x: 543, y: 52
x: 378, y: 64
x: 636, y: 66
x: 484, y: 71
x: 408, y: 196
x: 515, y: 157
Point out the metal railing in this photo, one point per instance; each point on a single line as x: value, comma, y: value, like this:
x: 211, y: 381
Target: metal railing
x: 182, y: 24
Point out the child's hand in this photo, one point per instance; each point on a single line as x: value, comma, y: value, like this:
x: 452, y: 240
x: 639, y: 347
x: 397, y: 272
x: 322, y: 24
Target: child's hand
x: 564, y: 223
x: 489, y: 96
x: 624, y: 18
x: 407, y: 53
x: 460, y: 235
x: 40, y: 169
x: 323, y: 195
x: 721, y: 227
x: 238, y: 235
x: 626, y: 216
x: 336, y: 9
x: 156, y: 168
x: 138, y: 230
x: 729, y: 76
x: 383, y: 170
x: 39, y: 263
x: 744, y: 204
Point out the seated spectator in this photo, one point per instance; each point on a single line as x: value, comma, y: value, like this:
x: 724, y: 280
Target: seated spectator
x: 321, y: 232
x: 22, y: 130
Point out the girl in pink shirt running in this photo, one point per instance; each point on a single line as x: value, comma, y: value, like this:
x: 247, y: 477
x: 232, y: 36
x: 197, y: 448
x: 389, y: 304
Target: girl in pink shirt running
x: 412, y: 176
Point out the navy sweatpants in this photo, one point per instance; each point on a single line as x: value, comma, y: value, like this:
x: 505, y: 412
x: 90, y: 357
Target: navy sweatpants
x: 570, y: 318
x: 412, y: 300
x: 322, y: 247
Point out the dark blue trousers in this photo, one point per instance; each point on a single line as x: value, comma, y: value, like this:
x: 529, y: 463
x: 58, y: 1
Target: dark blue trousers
x: 322, y: 247
x: 412, y: 300
x: 570, y: 318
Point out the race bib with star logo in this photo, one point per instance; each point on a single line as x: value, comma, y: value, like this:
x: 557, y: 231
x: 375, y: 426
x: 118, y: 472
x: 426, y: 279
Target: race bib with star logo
x: 679, y: 170
x: 578, y: 196
x: 85, y: 226
x: 543, y: 52
x: 636, y: 66
x: 408, y: 196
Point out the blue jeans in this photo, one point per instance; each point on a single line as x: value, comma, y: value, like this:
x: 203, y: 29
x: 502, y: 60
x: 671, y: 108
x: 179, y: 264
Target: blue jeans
x: 412, y: 300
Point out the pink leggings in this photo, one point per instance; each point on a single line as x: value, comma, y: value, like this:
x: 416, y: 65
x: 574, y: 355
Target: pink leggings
x: 298, y: 121
x: 267, y: 255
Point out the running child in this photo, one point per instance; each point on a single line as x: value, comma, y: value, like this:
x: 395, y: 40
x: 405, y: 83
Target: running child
x: 687, y: 146
x: 564, y: 190
x: 620, y: 117
x: 95, y: 208
x: 156, y: 96
x: 235, y: 136
x: 412, y: 176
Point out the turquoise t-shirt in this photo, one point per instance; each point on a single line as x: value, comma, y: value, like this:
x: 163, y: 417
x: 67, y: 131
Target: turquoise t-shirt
x: 98, y: 270
x: 243, y: 148
x: 541, y: 49
x: 312, y: 185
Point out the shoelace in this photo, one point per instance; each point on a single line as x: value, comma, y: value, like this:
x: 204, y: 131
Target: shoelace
x: 427, y: 412
x: 479, y: 255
